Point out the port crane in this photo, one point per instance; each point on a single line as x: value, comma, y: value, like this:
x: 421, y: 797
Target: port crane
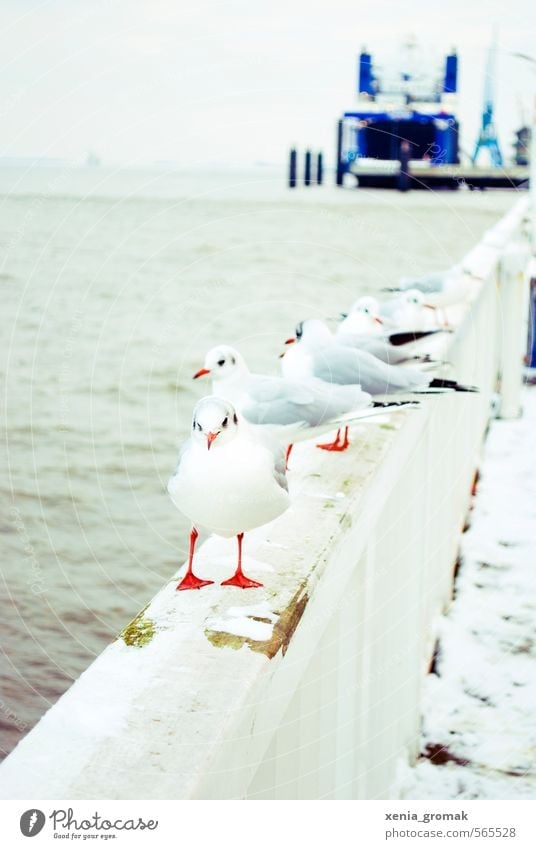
x: 487, y: 137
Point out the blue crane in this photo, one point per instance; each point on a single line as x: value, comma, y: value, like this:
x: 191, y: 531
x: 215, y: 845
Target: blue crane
x: 487, y: 136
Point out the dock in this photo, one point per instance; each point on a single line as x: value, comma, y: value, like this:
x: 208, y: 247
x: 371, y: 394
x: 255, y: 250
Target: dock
x: 405, y: 134
x: 387, y: 174
x: 312, y: 686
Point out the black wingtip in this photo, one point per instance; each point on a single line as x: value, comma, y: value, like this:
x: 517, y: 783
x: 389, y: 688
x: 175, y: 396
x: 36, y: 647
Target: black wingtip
x: 384, y: 405
x: 407, y: 336
x: 440, y: 383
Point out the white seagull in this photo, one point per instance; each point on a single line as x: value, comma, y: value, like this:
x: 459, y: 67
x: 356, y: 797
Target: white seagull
x: 363, y: 328
x: 440, y: 288
x: 370, y: 317
x: 363, y: 318
x: 229, y: 480
x: 407, y: 311
x: 318, y: 354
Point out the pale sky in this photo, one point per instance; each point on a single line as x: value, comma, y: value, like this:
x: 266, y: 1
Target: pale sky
x: 139, y: 81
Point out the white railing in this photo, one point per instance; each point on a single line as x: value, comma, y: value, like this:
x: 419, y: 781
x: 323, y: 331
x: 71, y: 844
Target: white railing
x: 310, y: 687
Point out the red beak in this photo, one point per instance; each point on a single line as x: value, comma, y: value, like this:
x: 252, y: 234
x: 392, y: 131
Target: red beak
x: 201, y: 372
x: 378, y: 320
x: 290, y: 341
x: 429, y: 307
x: 210, y: 439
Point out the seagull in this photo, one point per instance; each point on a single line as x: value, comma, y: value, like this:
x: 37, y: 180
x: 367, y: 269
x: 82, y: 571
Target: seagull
x: 407, y: 311
x: 363, y: 318
x: 229, y: 480
x: 317, y: 354
x: 370, y: 317
x: 440, y: 288
x: 291, y: 410
x: 363, y: 328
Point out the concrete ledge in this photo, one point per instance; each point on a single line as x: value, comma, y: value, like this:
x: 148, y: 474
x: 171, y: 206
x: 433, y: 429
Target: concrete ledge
x: 195, y: 697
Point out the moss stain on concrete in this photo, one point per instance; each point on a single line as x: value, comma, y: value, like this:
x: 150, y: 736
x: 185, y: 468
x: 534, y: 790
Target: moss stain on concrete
x: 139, y: 632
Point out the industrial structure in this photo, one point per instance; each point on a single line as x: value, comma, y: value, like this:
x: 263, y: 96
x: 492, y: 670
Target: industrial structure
x: 487, y: 137
x: 404, y: 132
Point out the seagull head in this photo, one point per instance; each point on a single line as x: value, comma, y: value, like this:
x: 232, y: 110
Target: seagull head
x: 369, y: 307
x: 413, y: 297
x: 311, y: 333
x: 223, y: 363
x: 214, y: 422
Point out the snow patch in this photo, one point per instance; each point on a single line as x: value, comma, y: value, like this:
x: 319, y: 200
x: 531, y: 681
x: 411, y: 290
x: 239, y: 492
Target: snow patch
x: 242, y: 626
x: 479, y: 707
x: 246, y: 621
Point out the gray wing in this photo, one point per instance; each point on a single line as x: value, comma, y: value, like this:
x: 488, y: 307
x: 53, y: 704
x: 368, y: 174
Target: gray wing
x: 274, y: 400
x: 279, y: 401
x: 338, y: 364
x: 387, y: 308
x: 264, y: 389
x: 428, y: 284
x: 379, y: 346
x: 279, y: 456
x: 280, y: 468
x: 345, y: 365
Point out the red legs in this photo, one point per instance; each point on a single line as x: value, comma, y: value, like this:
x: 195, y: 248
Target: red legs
x: 337, y: 445
x: 239, y: 579
x: 191, y: 581
x: 287, y: 455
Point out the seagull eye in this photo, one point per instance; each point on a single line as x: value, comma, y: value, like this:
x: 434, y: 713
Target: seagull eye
x: 221, y: 362
x: 225, y: 422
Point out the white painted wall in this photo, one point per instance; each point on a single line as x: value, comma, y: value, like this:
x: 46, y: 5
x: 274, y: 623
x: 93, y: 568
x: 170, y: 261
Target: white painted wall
x: 309, y: 687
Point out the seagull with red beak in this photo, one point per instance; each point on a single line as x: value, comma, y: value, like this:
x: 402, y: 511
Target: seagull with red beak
x: 407, y: 311
x: 364, y: 328
x: 363, y: 318
x: 229, y: 480
x: 440, y: 288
